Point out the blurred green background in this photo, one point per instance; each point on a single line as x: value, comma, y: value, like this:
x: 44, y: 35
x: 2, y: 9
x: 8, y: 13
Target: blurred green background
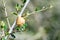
x: 43, y: 25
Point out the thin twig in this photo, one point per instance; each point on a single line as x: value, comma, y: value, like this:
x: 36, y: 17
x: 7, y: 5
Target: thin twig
x: 6, y: 14
x: 34, y: 12
x: 20, y: 14
x: 3, y: 33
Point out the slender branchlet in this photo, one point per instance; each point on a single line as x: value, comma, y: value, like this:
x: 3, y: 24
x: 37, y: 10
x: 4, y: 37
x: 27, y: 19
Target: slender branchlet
x: 4, y: 3
x: 20, y: 14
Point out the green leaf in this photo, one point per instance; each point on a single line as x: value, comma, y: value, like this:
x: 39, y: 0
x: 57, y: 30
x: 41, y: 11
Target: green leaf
x: 22, y: 6
x: 14, y: 13
x: 17, y: 28
x: 2, y: 23
x: 23, y: 1
x: 22, y: 28
x: 3, y: 38
x: 5, y: 28
x: 37, y: 8
x: 18, y: 7
x: 25, y: 25
x: 6, y: 33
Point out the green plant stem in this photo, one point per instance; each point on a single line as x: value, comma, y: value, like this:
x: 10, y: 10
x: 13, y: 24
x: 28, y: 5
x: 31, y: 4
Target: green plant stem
x: 43, y: 9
